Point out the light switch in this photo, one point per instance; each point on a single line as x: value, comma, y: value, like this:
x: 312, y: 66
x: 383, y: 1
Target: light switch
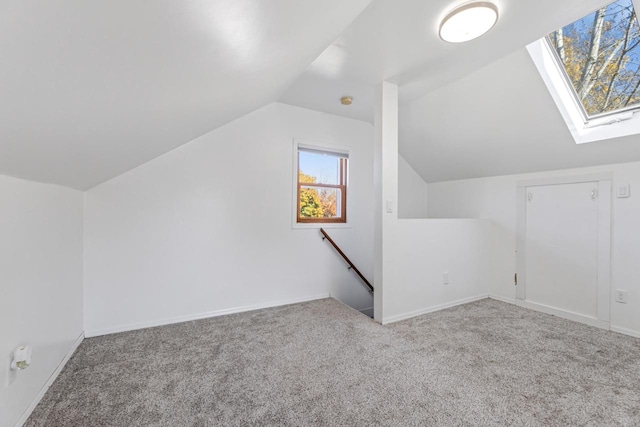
x: 389, y: 206
x: 623, y: 191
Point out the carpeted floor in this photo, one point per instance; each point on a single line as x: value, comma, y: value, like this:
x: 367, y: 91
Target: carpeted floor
x: 322, y: 363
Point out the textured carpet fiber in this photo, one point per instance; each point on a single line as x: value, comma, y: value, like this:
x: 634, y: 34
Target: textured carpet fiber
x: 322, y: 363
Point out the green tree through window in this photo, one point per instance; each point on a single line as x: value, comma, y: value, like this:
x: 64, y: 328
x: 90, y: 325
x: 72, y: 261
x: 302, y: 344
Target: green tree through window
x: 310, y: 202
x: 322, y: 186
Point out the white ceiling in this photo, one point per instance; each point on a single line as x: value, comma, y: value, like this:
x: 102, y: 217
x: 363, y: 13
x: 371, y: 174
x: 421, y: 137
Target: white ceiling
x: 467, y: 110
x: 90, y: 89
x: 397, y: 41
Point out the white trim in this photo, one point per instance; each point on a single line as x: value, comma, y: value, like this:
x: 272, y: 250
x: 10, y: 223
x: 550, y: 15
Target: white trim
x: 611, y: 118
x: 604, y: 250
x: 206, y: 315
x: 611, y: 126
x: 315, y: 149
x: 319, y: 225
x: 409, y: 315
x: 564, y: 179
x: 52, y: 378
x: 569, y: 315
x: 612, y: 328
x: 521, y: 238
x: 625, y: 331
x: 503, y: 299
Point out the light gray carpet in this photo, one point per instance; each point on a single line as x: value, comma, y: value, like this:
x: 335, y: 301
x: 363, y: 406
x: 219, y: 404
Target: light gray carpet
x: 322, y: 363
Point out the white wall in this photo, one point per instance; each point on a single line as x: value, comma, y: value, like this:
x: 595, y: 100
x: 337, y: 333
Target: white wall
x: 41, y: 289
x: 208, y: 226
x: 495, y: 198
x: 421, y: 250
x: 412, y: 192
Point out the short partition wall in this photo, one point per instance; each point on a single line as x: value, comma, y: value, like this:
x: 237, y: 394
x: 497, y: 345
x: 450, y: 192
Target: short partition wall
x: 431, y: 264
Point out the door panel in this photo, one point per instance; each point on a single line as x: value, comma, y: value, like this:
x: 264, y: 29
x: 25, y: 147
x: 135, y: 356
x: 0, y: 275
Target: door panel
x: 561, y: 247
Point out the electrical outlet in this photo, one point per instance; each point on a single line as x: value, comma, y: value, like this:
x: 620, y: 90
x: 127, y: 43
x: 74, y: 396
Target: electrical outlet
x: 621, y: 296
x: 445, y: 278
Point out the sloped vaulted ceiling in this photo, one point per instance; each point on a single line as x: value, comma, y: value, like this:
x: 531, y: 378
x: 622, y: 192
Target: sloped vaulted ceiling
x: 499, y: 120
x: 397, y: 41
x: 90, y: 89
x: 466, y: 110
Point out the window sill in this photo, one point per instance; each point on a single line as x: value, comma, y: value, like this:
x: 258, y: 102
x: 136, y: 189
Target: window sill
x: 319, y: 225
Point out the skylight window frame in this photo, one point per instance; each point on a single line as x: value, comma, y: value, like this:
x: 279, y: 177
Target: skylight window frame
x: 566, y: 80
x: 624, y: 124
x: 620, y: 114
x: 594, y: 120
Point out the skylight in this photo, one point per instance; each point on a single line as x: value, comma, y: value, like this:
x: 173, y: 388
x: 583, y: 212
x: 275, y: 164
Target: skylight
x: 592, y: 70
x: 600, y: 59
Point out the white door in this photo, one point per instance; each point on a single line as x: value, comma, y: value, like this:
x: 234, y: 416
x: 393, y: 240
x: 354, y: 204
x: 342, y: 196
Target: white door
x: 561, y: 243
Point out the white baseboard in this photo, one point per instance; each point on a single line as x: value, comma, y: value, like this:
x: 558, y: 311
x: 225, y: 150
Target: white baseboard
x: 625, y: 331
x: 503, y: 299
x: 206, y: 315
x: 612, y: 328
x: 576, y: 317
x: 422, y: 311
x: 52, y: 378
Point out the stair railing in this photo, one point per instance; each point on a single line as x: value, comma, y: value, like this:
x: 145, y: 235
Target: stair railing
x: 350, y: 266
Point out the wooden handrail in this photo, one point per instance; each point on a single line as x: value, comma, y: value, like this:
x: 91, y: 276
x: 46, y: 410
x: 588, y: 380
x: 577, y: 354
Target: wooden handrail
x: 351, y: 266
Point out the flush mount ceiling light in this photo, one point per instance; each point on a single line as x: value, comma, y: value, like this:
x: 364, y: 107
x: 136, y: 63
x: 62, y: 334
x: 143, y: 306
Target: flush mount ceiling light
x: 468, y: 21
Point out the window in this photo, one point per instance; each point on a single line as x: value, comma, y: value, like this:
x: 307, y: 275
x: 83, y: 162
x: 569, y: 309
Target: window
x: 321, y: 185
x: 592, y: 70
x: 600, y: 59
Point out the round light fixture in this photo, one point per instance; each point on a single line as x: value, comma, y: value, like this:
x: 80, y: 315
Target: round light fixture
x: 346, y: 100
x: 468, y: 21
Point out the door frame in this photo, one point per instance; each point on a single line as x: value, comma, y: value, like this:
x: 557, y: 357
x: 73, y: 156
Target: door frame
x: 604, y: 180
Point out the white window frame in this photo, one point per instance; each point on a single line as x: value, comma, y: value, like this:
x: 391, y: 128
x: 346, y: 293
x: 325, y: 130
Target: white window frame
x: 582, y: 129
x: 321, y: 146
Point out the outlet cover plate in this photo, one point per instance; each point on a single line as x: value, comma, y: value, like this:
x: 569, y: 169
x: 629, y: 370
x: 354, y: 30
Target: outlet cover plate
x: 623, y: 191
x: 622, y: 296
x: 445, y: 278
